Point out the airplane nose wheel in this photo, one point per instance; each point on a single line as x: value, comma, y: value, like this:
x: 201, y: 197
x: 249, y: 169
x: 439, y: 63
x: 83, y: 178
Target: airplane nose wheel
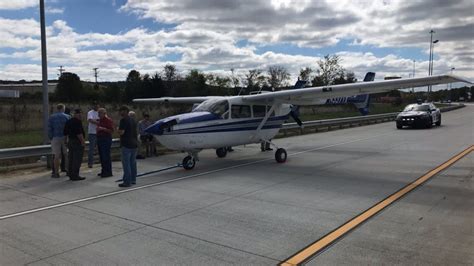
x: 189, y: 163
x: 280, y: 155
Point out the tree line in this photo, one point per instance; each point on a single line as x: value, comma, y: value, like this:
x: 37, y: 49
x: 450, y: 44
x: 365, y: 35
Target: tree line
x: 169, y: 82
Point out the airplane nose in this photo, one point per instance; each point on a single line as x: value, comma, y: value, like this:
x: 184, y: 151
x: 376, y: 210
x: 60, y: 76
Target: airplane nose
x: 160, y: 126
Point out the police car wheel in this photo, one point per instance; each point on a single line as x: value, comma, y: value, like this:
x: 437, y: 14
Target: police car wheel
x: 438, y: 123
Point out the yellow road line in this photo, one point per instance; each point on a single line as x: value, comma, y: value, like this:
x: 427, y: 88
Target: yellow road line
x: 328, y: 239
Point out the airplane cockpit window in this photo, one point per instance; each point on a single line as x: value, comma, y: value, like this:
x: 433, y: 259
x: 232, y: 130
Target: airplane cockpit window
x: 259, y: 110
x: 218, y: 107
x: 240, y: 111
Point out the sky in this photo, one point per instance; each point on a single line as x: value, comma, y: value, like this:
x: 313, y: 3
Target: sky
x: 389, y: 37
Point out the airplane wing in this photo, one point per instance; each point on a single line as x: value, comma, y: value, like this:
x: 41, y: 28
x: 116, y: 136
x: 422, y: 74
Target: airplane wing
x: 310, y: 96
x: 189, y: 100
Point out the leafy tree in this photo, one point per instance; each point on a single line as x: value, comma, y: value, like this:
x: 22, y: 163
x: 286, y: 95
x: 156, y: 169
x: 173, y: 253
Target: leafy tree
x: 305, y: 73
x: 329, y: 70
x: 69, y: 87
x: 91, y: 92
x: 170, y: 72
x: 132, y: 85
x: 221, y: 83
x: 254, y: 80
x: 278, y: 75
x: 196, y: 83
x: 344, y: 78
x: 113, y: 93
x: 157, y: 86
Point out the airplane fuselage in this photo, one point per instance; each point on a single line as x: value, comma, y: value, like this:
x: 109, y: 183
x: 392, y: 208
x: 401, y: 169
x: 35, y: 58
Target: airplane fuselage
x: 220, y: 122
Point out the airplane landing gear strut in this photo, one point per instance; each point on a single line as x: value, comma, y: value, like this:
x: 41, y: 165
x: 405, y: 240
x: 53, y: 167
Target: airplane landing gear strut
x: 280, y: 154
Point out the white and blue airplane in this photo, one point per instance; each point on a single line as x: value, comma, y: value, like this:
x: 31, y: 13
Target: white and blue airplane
x: 222, y: 121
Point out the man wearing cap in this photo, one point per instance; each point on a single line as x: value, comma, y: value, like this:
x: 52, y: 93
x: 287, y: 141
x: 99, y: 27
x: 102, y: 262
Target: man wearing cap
x: 129, y: 143
x: 74, y: 132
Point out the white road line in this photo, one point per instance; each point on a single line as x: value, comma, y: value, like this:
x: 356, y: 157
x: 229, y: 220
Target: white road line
x: 67, y: 203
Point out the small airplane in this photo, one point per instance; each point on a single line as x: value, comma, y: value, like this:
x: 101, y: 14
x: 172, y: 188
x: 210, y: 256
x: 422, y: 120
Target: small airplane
x: 218, y: 122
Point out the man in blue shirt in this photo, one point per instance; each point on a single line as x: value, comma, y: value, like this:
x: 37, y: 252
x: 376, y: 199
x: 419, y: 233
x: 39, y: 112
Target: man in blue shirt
x: 56, y: 124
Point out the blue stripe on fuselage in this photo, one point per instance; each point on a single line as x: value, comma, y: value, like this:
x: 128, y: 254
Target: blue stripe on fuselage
x: 195, y: 117
x: 243, y: 125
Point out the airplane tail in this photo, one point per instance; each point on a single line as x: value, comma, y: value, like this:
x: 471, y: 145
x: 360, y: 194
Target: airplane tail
x: 362, y: 103
x: 370, y: 76
x: 299, y: 84
x: 364, y: 99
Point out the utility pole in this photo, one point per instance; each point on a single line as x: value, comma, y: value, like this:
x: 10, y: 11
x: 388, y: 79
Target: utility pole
x: 44, y: 68
x: 61, y: 69
x: 96, y: 74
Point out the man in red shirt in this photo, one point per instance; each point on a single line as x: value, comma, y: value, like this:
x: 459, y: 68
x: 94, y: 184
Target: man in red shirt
x: 105, y: 128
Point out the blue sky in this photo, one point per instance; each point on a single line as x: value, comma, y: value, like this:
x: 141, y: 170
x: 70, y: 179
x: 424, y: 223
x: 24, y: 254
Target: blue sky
x: 219, y: 35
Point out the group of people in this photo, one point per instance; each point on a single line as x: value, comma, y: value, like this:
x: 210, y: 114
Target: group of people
x: 68, y: 140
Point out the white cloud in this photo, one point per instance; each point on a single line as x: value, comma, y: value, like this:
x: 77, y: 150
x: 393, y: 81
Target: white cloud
x: 17, y: 4
x: 53, y: 10
x: 208, y: 38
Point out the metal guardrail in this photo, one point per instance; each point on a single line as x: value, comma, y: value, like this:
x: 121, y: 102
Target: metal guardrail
x: 341, y: 121
x: 40, y: 150
x: 31, y: 151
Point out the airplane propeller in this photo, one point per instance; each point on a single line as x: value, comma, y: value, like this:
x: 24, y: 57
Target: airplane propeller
x: 295, y: 113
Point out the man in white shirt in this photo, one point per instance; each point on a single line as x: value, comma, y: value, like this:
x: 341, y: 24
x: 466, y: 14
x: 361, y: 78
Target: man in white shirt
x: 93, y: 120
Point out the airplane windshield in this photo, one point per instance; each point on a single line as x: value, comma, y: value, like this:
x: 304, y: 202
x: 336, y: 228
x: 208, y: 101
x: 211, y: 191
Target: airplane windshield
x: 216, y: 106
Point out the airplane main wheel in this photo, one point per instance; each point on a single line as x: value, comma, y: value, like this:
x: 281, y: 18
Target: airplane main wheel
x: 189, y: 163
x: 280, y: 155
x: 221, y: 152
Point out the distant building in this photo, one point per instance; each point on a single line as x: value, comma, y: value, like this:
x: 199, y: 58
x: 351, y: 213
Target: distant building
x: 30, y: 88
x: 9, y: 94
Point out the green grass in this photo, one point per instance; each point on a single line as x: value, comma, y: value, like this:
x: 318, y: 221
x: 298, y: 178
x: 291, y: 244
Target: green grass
x: 34, y: 137
x: 377, y: 108
x: 21, y: 139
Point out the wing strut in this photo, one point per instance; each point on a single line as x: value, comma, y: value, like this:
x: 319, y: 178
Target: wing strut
x: 265, y: 119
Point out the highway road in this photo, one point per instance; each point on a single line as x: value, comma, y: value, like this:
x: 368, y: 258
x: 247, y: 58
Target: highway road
x: 246, y: 209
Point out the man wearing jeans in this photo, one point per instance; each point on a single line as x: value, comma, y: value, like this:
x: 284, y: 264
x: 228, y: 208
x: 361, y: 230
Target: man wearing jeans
x: 93, y: 119
x: 129, y: 143
x: 105, y: 128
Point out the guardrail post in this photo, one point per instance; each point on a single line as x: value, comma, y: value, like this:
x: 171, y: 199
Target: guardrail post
x: 49, y: 161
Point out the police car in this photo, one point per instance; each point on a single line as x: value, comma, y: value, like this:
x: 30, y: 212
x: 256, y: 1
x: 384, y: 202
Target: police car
x: 419, y: 115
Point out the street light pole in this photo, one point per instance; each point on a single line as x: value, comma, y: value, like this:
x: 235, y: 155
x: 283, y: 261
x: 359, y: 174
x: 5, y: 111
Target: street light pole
x: 413, y: 88
x: 44, y: 67
x: 451, y: 84
x: 429, y: 61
